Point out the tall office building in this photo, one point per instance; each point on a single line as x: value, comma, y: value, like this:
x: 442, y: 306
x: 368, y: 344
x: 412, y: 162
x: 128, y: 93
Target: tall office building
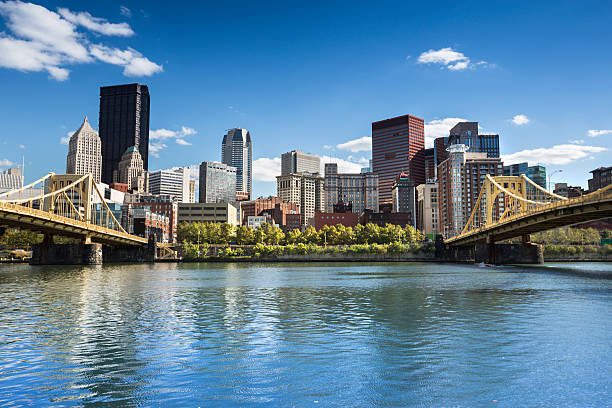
x: 296, y: 161
x: 404, y: 197
x: 174, y: 182
x: 429, y: 158
x: 395, y: 143
x: 85, y: 152
x: 192, y: 191
x: 237, y: 151
x: 427, y: 209
x: 537, y: 174
x: 305, y: 190
x: 131, y: 172
x: 217, y: 183
x: 460, y: 178
x: 466, y: 133
x: 358, y: 189
x: 11, y: 179
x: 124, y: 122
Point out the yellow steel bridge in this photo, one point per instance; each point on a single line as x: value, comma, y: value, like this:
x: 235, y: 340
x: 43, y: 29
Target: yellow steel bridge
x: 511, y: 206
x: 65, y: 205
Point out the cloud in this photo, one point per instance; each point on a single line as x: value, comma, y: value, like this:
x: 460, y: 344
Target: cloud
x: 328, y: 147
x: 21, y: 146
x: 597, y: 133
x: 158, y: 136
x: 65, y: 140
x: 556, y: 155
x: 357, y: 145
x: 344, y: 166
x: 96, y: 24
x: 451, y: 59
x: 133, y: 62
x: 577, y: 141
x: 126, y: 12
x: 520, y: 120
x: 439, y: 128
x: 6, y: 163
x: 266, y: 169
x: 39, y: 39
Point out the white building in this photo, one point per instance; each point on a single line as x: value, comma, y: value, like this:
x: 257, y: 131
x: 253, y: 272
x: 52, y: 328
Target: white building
x: 427, y: 204
x: 305, y: 190
x: 85, y: 152
x: 359, y: 189
x: 173, y: 181
x: 11, y: 179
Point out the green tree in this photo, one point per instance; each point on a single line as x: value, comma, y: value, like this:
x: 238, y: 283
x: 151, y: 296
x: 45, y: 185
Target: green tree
x: 14, y: 239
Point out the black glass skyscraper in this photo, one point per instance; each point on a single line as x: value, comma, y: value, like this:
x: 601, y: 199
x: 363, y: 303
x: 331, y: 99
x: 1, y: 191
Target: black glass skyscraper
x: 124, y: 122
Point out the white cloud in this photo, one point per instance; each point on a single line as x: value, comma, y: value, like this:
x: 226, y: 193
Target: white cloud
x: 451, y: 59
x: 557, y: 155
x: 156, y: 147
x: 126, y: 12
x: 133, y: 62
x: 439, y: 128
x: 357, y: 145
x: 266, y: 169
x: 597, y: 133
x: 328, y: 147
x: 6, y: 163
x: 43, y: 40
x: 65, y: 140
x: 520, y: 120
x: 344, y: 166
x: 21, y: 146
x: 158, y: 136
x: 96, y: 24
x: 183, y: 142
x: 577, y: 141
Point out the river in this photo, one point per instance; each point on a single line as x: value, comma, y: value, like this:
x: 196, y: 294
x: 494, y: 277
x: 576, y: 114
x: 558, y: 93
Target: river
x: 306, y: 335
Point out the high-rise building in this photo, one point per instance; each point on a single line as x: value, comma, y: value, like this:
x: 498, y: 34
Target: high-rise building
x: 296, y: 161
x: 602, y: 177
x: 395, y: 143
x: 466, y: 133
x: 11, y: 179
x: 130, y: 171
x: 217, y: 183
x: 85, y: 152
x: 404, y: 197
x: 460, y: 178
x: 124, y: 122
x: 358, y: 189
x: 237, y: 151
x: 429, y: 158
x: 192, y: 191
x: 305, y: 190
x: 537, y: 174
x: 427, y: 209
x: 173, y: 181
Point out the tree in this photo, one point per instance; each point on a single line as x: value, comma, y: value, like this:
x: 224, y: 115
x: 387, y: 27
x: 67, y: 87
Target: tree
x: 20, y: 238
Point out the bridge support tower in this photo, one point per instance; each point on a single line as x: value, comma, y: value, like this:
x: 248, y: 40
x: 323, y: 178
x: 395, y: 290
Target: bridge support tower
x: 499, y: 254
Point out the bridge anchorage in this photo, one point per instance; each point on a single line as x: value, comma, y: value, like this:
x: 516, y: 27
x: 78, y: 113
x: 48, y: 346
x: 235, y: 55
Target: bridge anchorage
x: 509, y: 207
x: 71, y: 206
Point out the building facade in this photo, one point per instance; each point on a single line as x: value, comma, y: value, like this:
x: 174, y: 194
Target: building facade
x: 173, y: 182
x: 602, y: 177
x: 296, y: 161
x: 537, y: 174
x: 237, y: 151
x: 192, y: 191
x: 124, y: 122
x: 217, y: 183
x: 460, y: 178
x: 427, y: 209
x: 358, y: 189
x: 141, y: 221
x: 85, y: 152
x: 160, y: 204
x: 404, y: 197
x: 131, y: 171
x: 305, y: 190
x: 271, y: 205
x: 11, y: 179
x: 348, y: 219
x: 395, y: 143
x: 563, y: 190
x: 208, y: 212
x: 466, y: 133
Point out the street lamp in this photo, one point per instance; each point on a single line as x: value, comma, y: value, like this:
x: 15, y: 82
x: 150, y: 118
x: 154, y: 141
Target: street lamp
x: 550, y: 176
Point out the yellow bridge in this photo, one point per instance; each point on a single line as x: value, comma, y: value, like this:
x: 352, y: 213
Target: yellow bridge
x: 510, y: 206
x: 66, y: 205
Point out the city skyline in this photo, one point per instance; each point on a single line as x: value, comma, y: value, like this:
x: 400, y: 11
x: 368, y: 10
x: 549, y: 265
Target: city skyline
x: 519, y: 92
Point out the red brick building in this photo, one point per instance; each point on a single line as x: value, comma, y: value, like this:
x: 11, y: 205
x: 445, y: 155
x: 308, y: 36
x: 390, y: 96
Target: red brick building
x: 395, y: 143
x: 348, y: 219
x: 274, y: 205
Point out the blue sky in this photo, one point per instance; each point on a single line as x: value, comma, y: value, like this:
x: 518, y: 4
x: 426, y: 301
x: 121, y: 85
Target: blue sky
x: 311, y: 77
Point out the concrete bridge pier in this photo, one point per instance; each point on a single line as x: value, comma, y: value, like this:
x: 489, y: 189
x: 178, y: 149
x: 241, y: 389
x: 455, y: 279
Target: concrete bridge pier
x: 499, y: 254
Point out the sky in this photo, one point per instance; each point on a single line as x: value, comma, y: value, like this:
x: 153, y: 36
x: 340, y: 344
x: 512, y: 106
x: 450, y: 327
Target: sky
x: 312, y: 77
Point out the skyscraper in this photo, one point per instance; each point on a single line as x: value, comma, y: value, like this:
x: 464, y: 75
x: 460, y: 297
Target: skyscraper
x: 124, y: 122
x: 11, y: 179
x: 217, y: 183
x: 305, y: 190
x: 85, y: 152
x: 358, y: 189
x: 537, y: 173
x: 130, y: 171
x: 466, y: 133
x: 296, y: 161
x: 237, y: 151
x: 404, y: 197
x: 173, y: 181
x: 395, y: 143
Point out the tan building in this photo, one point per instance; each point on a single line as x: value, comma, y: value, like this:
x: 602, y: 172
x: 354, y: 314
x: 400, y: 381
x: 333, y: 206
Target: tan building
x: 131, y: 171
x: 192, y: 190
x: 305, y: 190
x: 358, y: 189
x: 208, y: 212
x: 296, y: 161
x: 85, y: 152
x: 428, y: 211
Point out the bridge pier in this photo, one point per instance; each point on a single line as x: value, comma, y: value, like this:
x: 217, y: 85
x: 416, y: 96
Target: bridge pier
x: 499, y: 254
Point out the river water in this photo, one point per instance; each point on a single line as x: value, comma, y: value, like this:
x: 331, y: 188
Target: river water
x: 306, y: 335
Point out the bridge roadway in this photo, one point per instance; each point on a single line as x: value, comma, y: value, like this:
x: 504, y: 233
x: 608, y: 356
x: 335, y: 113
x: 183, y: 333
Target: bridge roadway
x: 590, y: 207
x: 18, y: 216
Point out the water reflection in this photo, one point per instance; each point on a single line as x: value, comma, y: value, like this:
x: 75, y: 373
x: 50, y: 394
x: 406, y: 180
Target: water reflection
x: 290, y: 335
